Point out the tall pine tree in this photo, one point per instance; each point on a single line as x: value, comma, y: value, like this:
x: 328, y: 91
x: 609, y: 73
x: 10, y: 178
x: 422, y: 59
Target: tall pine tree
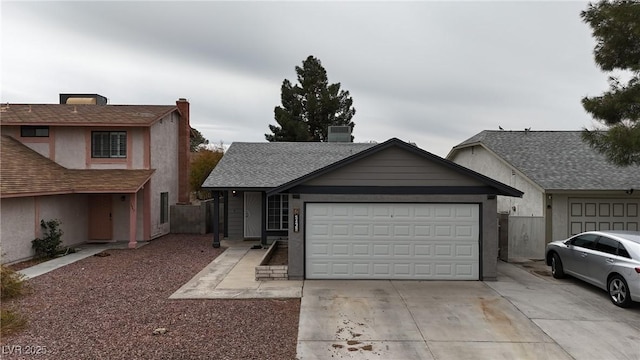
x: 311, y: 106
x: 616, y: 28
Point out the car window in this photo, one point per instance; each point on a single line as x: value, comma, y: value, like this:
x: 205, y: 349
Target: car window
x: 622, y: 251
x: 607, y: 245
x: 586, y: 241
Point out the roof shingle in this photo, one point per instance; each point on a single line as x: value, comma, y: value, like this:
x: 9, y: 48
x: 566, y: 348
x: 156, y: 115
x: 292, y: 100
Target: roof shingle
x: 24, y: 172
x: 267, y: 165
x: 83, y: 115
x: 556, y: 160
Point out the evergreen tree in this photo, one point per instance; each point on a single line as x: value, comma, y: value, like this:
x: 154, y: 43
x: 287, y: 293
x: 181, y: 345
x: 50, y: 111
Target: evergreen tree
x: 616, y: 28
x: 310, y: 107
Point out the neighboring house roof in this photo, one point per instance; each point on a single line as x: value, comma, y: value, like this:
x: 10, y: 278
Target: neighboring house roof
x: 83, y: 115
x: 271, y: 164
x: 555, y: 160
x: 24, y: 172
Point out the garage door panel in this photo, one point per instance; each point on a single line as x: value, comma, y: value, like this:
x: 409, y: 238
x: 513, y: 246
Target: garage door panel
x: 393, y: 241
x: 587, y: 214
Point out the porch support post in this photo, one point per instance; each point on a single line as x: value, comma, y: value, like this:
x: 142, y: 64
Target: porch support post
x: 216, y: 219
x: 133, y: 212
x: 263, y: 221
x: 225, y: 215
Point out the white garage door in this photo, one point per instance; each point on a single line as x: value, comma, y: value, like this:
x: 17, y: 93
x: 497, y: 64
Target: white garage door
x: 392, y: 241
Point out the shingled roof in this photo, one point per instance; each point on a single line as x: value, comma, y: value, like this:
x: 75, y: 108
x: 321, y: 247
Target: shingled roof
x: 267, y: 165
x: 555, y: 160
x: 82, y: 115
x: 24, y: 172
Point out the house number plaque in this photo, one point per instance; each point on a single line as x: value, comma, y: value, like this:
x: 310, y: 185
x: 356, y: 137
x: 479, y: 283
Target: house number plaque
x: 296, y: 220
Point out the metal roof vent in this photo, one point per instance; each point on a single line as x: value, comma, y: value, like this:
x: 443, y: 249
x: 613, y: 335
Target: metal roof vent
x: 339, y: 134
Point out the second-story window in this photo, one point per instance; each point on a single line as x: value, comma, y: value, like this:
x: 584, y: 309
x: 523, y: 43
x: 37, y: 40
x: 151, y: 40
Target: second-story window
x: 109, y: 144
x: 34, y: 131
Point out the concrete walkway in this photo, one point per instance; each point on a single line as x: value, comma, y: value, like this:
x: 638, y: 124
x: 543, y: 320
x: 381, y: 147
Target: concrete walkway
x: 232, y: 276
x: 82, y: 251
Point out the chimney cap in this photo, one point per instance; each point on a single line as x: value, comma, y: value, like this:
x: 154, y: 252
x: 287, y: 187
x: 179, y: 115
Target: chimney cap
x: 182, y: 99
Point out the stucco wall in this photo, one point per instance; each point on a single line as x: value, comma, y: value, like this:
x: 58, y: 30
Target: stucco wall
x: 21, y: 222
x: 18, y: 229
x: 164, y: 158
x: 482, y: 161
x: 489, y: 225
x: 70, y: 145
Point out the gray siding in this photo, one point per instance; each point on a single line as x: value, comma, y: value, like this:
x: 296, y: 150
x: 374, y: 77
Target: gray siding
x: 236, y: 215
x: 489, y: 225
x: 394, y: 167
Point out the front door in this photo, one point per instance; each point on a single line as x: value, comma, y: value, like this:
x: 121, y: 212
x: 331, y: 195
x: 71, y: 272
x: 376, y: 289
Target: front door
x: 252, y: 214
x: 100, y: 217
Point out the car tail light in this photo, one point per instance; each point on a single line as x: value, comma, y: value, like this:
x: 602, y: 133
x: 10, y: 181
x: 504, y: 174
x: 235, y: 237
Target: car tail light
x: 638, y: 269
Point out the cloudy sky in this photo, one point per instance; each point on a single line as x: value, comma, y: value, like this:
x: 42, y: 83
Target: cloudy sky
x: 433, y: 73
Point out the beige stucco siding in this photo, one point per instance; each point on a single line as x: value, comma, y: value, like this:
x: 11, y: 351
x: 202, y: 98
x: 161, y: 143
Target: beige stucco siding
x: 137, y: 149
x: 21, y: 222
x: 164, y: 159
x: 121, y: 213
x: 70, y: 145
x: 18, y: 229
x: 482, y: 161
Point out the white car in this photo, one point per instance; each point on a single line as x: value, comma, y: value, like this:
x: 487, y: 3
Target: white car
x: 609, y: 260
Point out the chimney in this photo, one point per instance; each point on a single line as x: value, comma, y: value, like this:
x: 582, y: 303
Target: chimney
x: 184, y: 141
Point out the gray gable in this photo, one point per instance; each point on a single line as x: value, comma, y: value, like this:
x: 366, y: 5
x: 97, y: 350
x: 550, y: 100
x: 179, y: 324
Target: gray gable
x: 267, y: 165
x: 556, y: 160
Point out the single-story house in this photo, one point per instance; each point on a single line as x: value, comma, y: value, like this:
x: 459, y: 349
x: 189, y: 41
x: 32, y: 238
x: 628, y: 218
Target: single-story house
x: 565, y: 182
x: 362, y: 210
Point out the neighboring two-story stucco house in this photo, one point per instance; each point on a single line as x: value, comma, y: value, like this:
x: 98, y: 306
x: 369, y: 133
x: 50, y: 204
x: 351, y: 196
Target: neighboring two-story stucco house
x: 107, y: 172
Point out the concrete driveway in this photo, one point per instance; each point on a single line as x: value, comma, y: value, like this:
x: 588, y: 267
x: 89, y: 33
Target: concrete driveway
x: 520, y: 316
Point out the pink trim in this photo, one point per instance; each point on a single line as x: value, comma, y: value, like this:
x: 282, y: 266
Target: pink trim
x: 146, y: 214
x: 133, y: 211
x: 129, y: 149
x: 146, y: 144
x: 52, y: 144
x: 87, y: 141
x: 111, y: 160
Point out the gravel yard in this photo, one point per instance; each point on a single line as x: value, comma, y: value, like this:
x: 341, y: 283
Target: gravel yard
x: 108, y: 307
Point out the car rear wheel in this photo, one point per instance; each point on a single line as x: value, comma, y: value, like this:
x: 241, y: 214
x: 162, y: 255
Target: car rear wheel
x: 556, y: 266
x: 619, y: 291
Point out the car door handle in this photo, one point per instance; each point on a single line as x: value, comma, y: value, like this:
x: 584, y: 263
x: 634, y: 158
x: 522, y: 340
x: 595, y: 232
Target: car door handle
x: 610, y: 261
x: 583, y: 254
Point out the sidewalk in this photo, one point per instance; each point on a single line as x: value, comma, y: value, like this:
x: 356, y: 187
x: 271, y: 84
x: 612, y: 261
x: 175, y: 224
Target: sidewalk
x: 83, y: 251
x: 232, y: 276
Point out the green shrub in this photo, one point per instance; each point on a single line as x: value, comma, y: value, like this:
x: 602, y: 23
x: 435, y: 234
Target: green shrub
x: 12, y: 283
x: 11, y: 321
x: 49, y: 245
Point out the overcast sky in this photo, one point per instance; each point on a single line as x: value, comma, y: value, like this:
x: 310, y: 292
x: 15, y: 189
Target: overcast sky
x: 433, y: 73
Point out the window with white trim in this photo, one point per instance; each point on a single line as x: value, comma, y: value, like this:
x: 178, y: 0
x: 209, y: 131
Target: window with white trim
x: 278, y: 212
x: 109, y: 144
